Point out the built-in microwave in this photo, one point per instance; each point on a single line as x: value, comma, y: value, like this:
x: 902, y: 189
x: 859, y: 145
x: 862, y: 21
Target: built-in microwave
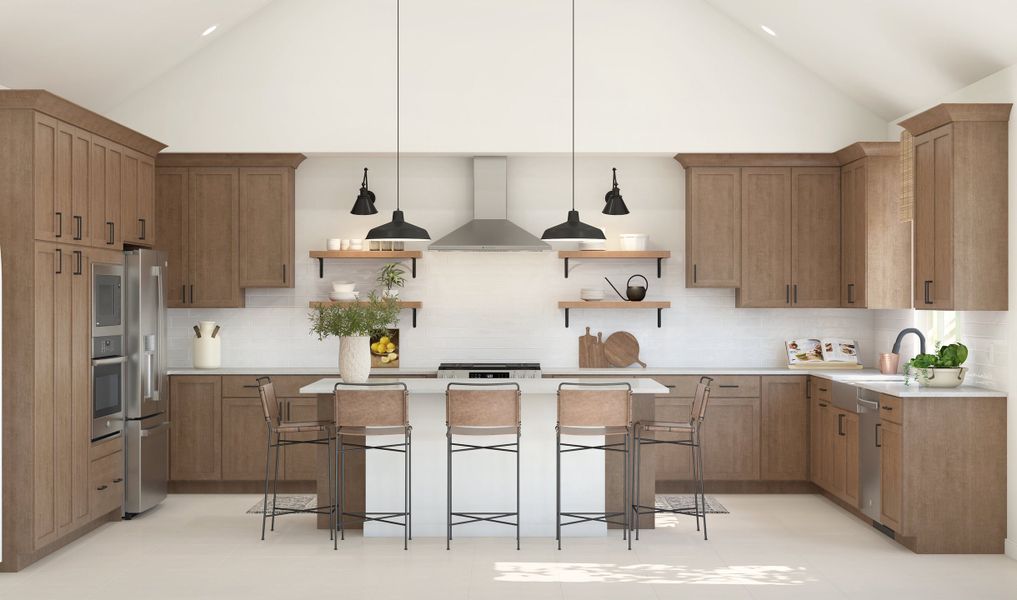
x: 107, y: 300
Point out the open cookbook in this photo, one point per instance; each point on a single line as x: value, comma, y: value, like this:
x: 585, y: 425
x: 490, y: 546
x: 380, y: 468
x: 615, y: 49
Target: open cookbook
x: 829, y: 353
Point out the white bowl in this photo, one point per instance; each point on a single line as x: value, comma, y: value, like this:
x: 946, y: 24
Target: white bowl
x: 343, y: 296
x: 634, y: 241
x: 343, y: 286
x: 940, y: 378
x: 593, y: 245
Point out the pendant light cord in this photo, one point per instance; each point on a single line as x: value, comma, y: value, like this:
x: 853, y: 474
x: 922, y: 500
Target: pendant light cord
x: 397, y: 104
x: 573, y: 104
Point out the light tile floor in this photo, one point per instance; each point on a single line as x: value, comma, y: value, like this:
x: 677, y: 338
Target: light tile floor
x: 771, y: 546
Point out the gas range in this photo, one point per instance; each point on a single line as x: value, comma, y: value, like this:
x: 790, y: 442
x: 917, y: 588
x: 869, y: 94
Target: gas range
x: 489, y: 371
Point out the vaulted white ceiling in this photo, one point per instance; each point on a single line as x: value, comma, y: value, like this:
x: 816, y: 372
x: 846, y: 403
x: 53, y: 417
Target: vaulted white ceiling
x: 98, y: 52
x: 892, y: 56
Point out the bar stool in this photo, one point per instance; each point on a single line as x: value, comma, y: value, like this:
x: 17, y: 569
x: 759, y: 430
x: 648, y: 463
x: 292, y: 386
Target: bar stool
x: 492, y: 410
x: 693, y: 430
x: 594, y: 409
x: 367, y: 410
x: 282, y: 428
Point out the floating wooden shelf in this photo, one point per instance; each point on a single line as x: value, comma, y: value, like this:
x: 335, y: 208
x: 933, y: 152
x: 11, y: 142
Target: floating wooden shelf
x: 659, y: 305
x: 403, y: 304
x: 659, y: 255
x: 321, y: 255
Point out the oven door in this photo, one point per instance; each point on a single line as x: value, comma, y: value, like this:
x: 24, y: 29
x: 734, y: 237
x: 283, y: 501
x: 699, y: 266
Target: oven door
x: 107, y: 300
x: 107, y: 396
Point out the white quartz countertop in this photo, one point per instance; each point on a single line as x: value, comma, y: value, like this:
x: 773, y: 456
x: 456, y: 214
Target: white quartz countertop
x: 897, y: 388
x: 394, y: 372
x: 651, y: 371
x: 526, y: 386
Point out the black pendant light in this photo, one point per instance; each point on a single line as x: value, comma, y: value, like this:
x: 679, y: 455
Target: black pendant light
x: 614, y: 205
x: 365, y: 200
x: 573, y: 230
x: 397, y: 230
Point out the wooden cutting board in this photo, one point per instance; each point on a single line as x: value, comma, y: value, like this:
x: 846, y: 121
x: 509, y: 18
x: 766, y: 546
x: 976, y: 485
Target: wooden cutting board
x: 622, y: 349
x: 591, y: 351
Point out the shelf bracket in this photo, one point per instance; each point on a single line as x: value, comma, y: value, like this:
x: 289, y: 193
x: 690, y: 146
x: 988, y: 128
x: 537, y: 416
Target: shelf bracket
x: 566, y: 318
x: 659, y: 310
x: 566, y: 277
x: 321, y: 268
x: 414, y: 318
x: 413, y: 272
x: 659, y: 260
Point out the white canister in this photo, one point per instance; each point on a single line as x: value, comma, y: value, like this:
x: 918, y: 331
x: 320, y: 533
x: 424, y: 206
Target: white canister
x: 356, y: 244
x: 334, y: 244
x: 206, y: 350
x: 633, y: 241
x: 345, y: 244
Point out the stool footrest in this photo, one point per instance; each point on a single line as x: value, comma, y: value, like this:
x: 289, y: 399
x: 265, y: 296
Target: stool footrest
x: 490, y: 517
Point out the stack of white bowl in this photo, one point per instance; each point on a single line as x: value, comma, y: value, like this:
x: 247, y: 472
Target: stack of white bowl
x: 343, y: 291
x: 591, y: 294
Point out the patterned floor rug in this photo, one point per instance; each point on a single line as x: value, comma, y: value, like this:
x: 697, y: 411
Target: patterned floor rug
x: 687, y: 502
x: 291, y: 501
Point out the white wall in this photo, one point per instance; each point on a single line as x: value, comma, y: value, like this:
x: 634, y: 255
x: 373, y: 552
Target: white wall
x: 992, y: 334
x: 492, y: 76
x: 503, y: 306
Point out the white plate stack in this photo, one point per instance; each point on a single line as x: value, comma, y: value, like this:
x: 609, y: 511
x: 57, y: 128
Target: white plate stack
x: 591, y: 294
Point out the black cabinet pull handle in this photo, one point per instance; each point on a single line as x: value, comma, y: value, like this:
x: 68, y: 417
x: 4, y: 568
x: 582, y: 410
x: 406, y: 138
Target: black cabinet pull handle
x: 141, y: 225
x: 884, y: 407
x: 110, y: 231
x: 796, y: 293
x: 928, y: 292
x: 840, y: 424
x: 78, y: 258
x: 192, y: 293
x: 60, y: 224
x: 670, y: 387
x: 851, y: 293
x: 284, y: 273
x: 695, y: 273
x: 787, y: 294
x: 823, y: 404
x: 183, y: 294
x: 879, y: 442
x: 60, y: 261
x: 823, y: 389
x: 77, y: 227
x: 102, y: 487
x: 728, y: 385
x: 118, y: 480
x: 808, y: 389
x: 253, y: 387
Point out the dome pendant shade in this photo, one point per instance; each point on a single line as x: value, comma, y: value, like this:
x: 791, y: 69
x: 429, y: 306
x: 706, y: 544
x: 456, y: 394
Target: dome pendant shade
x: 364, y: 204
x: 398, y: 230
x: 614, y: 205
x: 572, y: 230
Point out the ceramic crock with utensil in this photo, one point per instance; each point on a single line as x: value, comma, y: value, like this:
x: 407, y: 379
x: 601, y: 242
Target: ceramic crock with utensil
x: 633, y: 293
x: 206, y: 348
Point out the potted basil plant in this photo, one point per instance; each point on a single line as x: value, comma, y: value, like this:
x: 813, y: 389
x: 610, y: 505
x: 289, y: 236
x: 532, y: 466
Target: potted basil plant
x: 942, y: 369
x: 392, y: 276
x: 354, y: 323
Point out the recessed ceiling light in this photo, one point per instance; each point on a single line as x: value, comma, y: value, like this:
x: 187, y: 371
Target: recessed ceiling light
x: 209, y: 31
x: 768, y: 30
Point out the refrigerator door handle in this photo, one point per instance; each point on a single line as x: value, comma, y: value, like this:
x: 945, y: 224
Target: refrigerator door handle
x: 155, y: 365
x: 154, y: 430
x: 149, y: 342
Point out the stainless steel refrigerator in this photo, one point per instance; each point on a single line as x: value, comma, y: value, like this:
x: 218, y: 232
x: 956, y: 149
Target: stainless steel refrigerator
x: 146, y: 402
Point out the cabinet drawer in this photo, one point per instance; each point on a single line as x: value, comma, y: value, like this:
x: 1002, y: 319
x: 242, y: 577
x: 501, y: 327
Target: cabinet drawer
x: 105, y: 448
x: 822, y: 389
x: 723, y: 386
x: 891, y: 408
x: 246, y: 386
x: 106, y: 476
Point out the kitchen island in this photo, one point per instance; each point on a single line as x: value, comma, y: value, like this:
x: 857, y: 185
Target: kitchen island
x: 485, y: 481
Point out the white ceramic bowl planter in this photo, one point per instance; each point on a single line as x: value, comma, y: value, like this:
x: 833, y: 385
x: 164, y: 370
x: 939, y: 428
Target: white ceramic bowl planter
x: 940, y: 378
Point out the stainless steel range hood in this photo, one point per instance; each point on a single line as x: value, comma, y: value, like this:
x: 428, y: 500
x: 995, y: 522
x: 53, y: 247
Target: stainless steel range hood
x: 490, y: 230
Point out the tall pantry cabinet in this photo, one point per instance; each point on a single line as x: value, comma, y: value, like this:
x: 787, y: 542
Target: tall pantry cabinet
x: 61, y: 183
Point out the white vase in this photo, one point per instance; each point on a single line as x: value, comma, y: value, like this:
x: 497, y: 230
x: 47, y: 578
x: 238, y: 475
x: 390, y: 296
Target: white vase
x: 393, y: 293
x: 355, y: 358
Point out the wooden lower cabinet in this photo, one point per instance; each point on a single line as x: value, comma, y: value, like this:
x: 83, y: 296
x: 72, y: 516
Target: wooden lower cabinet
x: 890, y: 474
x: 243, y: 440
x: 731, y: 439
x: 673, y: 463
x: 784, y: 429
x: 300, y: 462
x: 834, y: 451
x: 106, y: 478
x: 196, y: 435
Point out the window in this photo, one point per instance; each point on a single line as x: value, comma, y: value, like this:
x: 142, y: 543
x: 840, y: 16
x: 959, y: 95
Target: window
x: 939, y: 326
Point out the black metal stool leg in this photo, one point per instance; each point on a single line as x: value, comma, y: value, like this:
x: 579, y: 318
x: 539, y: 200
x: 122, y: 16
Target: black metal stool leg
x: 557, y: 489
x: 336, y: 493
x: 626, y: 483
x: 518, y: 520
x: 695, y: 480
x: 264, y: 502
x: 342, y: 490
x: 406, y: 491
x: 635, y: 485
x: 702, y: 492
x: 275, y: 478
x: 448, y: 493
x: 409, y: 482
x: 331, y: 502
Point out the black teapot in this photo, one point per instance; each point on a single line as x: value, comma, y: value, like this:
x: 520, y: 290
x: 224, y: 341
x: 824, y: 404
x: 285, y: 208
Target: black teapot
x: 633, y: 293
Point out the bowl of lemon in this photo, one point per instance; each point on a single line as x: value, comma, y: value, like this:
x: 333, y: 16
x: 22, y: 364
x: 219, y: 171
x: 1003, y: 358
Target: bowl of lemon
x: 385, y: 350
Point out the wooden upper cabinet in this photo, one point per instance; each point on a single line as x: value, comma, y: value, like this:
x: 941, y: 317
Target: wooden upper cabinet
x: 138, y: 199
x: 146, y: 200
x: 766, y: 238
x: 960, y: 206
x: 171, y: 188
x: 784, y: 429
x: 113, y: 224
x: 50, y: 216
x: 213, y: 254
x: 815, y: 237
x: 266, y: 227
x: 875, y: 240
x: 72, y: 185
x: 713, y: 227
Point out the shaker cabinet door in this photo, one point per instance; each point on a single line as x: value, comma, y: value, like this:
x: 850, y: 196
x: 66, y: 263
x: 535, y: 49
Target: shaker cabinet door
x: 815, y: 237
x: 212, y: 239
x: 766, y: 238
x: 266, y: 227
x: 713, y: 203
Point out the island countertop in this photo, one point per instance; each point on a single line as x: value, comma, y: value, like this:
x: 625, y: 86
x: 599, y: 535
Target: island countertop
x: 526, y: 386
